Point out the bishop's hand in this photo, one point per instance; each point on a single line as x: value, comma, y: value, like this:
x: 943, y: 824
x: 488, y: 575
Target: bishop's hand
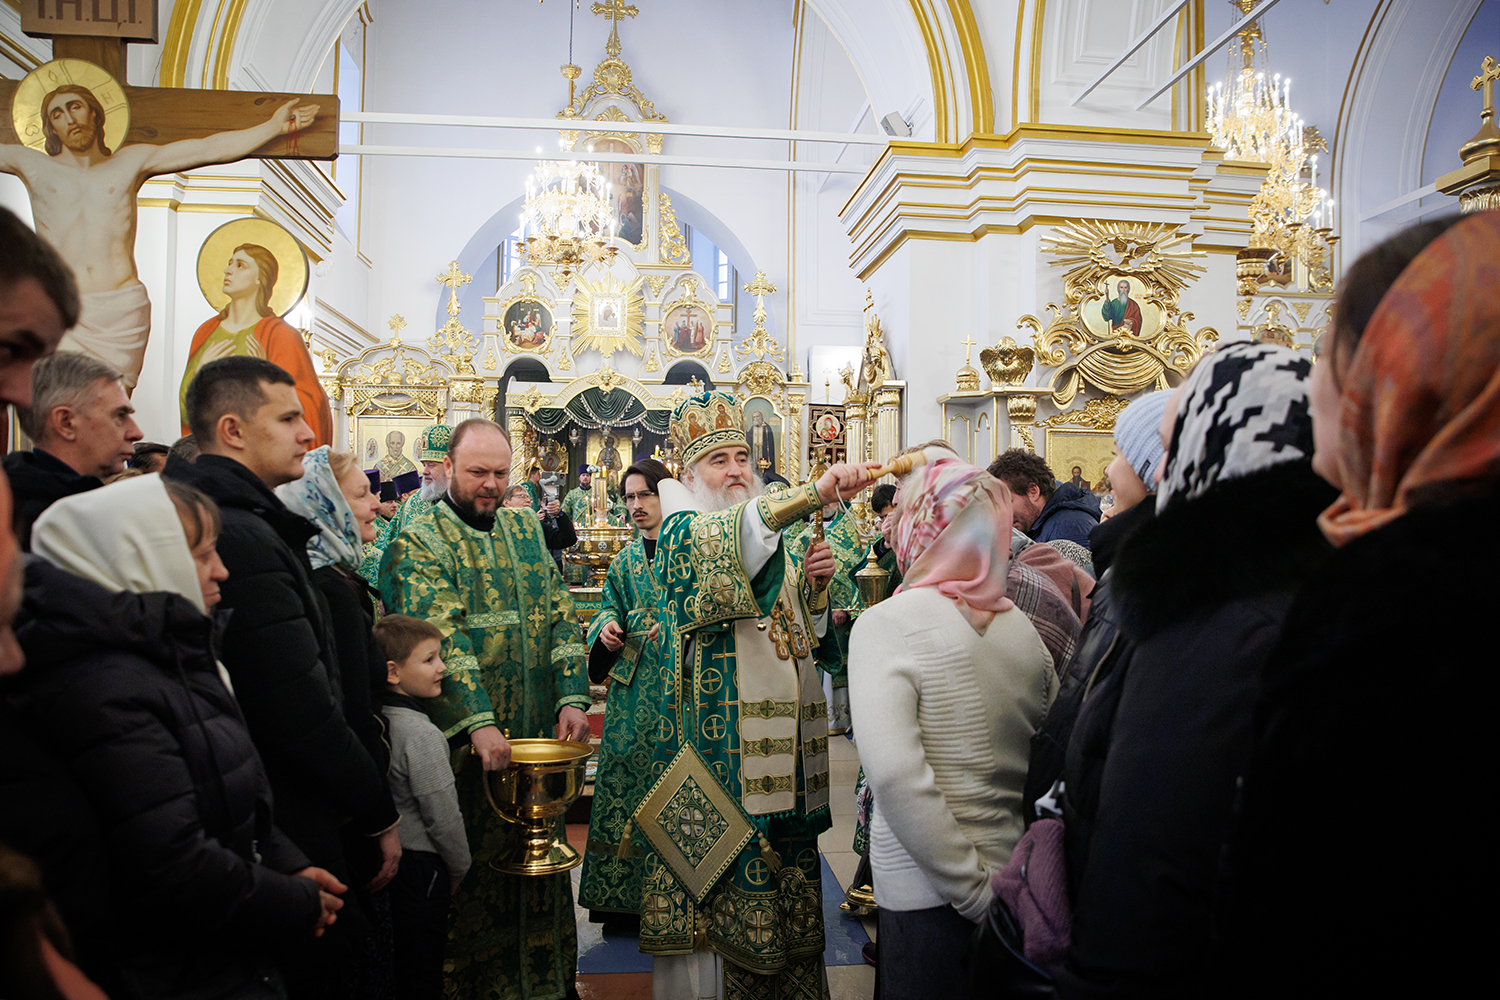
x: 818, y: 565
x: 843, y: 482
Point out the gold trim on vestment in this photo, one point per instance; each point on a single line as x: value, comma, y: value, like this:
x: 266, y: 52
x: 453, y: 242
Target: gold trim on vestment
x: 694, y: 824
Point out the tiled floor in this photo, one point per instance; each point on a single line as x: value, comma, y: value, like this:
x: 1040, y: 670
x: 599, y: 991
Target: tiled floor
x: 612, y: 968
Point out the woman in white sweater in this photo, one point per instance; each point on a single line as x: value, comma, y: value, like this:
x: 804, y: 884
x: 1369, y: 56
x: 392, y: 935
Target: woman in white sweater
x: 948, y: 680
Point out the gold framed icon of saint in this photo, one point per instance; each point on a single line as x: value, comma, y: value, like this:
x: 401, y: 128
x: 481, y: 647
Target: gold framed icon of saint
x: 53, y: 86
x: 291, y: 262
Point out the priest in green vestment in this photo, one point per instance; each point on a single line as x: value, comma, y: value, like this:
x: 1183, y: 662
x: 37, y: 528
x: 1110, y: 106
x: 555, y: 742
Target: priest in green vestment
x: 483, y: 576
x: 732, y: 899
x: 626, y: 645
x: 431, y: 449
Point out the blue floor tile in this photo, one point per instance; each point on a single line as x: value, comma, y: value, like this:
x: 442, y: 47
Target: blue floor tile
x: 844, y: 935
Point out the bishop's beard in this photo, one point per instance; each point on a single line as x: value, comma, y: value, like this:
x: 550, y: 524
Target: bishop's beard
x: 432, y: 491
x: 710, y: 500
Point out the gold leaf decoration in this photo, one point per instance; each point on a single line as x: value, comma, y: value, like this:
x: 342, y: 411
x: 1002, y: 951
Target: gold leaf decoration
x: 608, y: 316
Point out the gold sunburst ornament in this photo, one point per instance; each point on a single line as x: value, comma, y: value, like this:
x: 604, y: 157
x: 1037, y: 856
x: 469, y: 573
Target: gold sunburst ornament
x: 1119, y: 320
x: 608, y: 316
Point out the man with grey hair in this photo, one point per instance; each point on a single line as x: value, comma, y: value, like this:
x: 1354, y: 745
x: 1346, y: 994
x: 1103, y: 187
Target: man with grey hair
x: 82, y: 428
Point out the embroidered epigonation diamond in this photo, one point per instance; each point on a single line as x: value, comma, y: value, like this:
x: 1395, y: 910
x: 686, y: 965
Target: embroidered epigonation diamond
x: 692, y: 822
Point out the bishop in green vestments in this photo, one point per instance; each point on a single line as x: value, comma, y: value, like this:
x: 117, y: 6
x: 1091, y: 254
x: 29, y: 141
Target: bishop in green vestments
x: 515, y: 661
x: 743, y: 712
x: 626, y: 645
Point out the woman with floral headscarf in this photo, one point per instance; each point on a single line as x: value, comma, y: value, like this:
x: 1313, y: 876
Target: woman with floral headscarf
x: 334, y: 494
x: 948, y: 679
x: 1200, y: 593
x: 1361, y: 853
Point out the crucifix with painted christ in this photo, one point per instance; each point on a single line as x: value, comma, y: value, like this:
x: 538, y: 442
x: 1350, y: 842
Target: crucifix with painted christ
x: 83, y: 141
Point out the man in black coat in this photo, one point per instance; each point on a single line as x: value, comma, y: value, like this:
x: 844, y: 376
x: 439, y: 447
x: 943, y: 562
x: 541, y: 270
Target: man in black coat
x: 83, y: 430
x: 246, y: 416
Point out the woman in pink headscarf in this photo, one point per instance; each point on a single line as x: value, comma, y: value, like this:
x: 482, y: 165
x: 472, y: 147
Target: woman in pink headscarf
x: 948, y: 680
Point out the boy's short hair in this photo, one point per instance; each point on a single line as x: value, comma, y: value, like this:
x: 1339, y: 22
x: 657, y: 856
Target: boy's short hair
x: 398, y: 635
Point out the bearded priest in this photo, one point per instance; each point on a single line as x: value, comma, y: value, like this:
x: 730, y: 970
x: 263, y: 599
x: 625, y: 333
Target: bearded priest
x: 515, y: 664
x: 731, y: 905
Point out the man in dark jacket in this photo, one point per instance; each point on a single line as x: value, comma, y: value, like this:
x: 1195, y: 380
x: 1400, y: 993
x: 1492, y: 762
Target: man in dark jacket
x: 1044, y: 508
x: 83, y: 429
x: 245, y: 415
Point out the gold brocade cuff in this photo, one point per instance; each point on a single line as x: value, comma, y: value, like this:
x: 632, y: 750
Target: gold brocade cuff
x: 789, y: 506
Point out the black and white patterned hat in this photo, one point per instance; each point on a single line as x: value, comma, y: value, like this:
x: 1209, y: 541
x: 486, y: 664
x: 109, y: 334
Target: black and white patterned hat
x: 1243, y: 409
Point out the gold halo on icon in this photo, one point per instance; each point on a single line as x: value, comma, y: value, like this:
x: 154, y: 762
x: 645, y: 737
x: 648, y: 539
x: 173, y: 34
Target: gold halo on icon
x: 26, y: 106
x: 213, y: 257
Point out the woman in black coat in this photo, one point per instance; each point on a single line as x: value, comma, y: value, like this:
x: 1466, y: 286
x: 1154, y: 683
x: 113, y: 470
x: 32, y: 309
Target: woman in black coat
x: 124, y: 683
x: 334, y: 494
x: 1360, y: 863
x: 1200, y: 594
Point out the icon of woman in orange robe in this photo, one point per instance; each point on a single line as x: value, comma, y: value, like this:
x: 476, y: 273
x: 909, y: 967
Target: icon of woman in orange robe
x: 249, y: 327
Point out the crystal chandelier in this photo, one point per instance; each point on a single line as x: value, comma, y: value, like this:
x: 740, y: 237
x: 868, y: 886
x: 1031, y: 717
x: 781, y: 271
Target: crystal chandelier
x: 568, y: 218
x: 1251, y: 119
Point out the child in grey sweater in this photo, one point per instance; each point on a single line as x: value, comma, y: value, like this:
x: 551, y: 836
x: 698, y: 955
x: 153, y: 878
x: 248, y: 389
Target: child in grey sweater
x: 434, y: 846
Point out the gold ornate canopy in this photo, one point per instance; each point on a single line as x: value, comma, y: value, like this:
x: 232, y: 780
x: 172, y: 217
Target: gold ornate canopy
x: 1119, y: 328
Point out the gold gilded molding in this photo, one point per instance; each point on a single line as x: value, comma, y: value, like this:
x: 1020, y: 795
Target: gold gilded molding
x: 1133, y: 350
x: 971, y: 42
x: 672, y: 247
x: 224, y: 51
x: 178, y: 43
x: 932, y: 40
x: 1099, y: 414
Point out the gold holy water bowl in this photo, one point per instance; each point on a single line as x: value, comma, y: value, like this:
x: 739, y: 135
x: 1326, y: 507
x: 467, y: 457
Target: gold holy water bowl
x: 597, y: 546
x: 543, y: 779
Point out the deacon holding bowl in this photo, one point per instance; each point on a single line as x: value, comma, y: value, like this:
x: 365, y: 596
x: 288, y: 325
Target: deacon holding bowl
x: 740, y: 771
x: 482, y: 574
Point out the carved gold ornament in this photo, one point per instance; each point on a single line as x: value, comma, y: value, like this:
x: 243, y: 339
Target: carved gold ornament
x: 1099, y: 414
x: 1119, y: 328
x: 875, y: 363
x: 760, y: 342
x: 452, y: 337
x: 1007, y: 363
x: 672, y: 246
x: 608, y: 316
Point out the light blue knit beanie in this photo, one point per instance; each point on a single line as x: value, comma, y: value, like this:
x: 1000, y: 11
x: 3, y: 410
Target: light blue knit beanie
x: 1137, y: 433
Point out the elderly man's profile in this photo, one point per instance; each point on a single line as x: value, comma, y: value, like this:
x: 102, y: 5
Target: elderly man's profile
x: 83, y: 198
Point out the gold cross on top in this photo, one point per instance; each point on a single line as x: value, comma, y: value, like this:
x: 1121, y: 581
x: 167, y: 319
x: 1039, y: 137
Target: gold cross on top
x: 968, y: 343
x: 760, y: 286
x: 453, y: 277
x: 616, y: 10
x: 1489, y: 72
x: 396, y: 323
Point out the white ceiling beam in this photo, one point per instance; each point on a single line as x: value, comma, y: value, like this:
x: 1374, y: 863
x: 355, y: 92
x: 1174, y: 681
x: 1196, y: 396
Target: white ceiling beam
x: 1135, y: 46
x: 648, y: 128
x: 732, y: 163
x: 1218, y: 44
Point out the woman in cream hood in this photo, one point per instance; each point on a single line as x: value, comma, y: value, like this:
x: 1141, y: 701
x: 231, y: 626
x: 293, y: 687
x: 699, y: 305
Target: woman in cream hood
x: 124, y: 682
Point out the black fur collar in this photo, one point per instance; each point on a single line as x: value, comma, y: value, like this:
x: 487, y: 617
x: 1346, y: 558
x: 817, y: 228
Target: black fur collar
x: 1242, y: 537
